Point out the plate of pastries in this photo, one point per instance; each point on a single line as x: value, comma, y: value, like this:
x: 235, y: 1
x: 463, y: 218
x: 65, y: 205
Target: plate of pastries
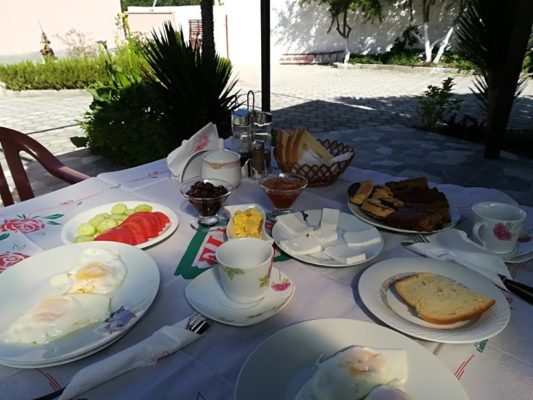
x: 407, y: 206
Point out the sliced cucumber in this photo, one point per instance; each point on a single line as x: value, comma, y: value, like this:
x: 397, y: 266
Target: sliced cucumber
x: 86, y: 229
x: 106, y: 225
x: 119, y: 208
x: 142, y: 207
x: 83, y: 238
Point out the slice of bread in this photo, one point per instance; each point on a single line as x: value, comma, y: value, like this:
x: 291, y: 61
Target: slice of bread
x: 440, y: 300
x: 305, y: 141
x: 360, y: 191
x: 375, y: 208
x: 281, y: 144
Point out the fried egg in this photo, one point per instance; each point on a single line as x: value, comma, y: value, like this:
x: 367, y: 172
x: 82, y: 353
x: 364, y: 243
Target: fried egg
x: 56, y: 317
x: 99, y: 271
x: 353, y: 373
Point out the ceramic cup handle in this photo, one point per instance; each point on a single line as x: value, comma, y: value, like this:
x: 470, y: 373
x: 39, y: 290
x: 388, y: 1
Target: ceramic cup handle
x: 475, y: 231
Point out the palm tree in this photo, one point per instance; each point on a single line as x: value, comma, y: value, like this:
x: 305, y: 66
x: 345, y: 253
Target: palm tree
x: 494, y: 36
x: 208, y: 36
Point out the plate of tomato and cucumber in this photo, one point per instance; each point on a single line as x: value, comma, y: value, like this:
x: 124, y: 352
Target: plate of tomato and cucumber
x: 131, y: 222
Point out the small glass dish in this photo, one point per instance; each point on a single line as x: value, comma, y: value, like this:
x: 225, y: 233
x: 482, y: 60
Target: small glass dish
x: 207, y: 196
x: 283, y: 189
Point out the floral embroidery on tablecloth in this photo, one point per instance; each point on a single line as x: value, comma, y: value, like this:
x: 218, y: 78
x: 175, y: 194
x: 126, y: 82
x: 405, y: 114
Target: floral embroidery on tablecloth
x: 8, y: 259
x: 29, y: 224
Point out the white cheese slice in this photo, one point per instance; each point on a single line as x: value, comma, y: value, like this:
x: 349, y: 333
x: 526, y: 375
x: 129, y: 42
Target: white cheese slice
x: 320, y: 256
x: 301, y: 245
x: 330, y: 218
x: 324, y: 235
x: 345, y: 254
x: 293, y: 224
x: 361, y: 238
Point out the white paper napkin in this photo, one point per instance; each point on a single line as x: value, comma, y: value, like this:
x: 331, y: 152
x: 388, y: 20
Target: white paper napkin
x: 205, y: 139
x: 454, y: 245
x: 163, y: 342
x: 311, y: 158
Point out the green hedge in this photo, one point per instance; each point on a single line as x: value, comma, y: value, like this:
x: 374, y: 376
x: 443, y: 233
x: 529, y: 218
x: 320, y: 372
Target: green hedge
x: 68, y: 73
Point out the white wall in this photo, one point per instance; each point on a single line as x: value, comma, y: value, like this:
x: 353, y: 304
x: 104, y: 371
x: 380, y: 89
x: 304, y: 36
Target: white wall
x: 20, y: 34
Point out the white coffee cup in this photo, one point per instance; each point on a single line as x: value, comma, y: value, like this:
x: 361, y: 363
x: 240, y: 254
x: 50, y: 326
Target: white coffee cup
x: 222, y: 164
x: 244, y: 267
x: 497, y: 226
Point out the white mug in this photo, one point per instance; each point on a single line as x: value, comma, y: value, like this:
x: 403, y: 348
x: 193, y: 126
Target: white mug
x: 497, y: 226
x: 244, y: 267
x: 222, y: 164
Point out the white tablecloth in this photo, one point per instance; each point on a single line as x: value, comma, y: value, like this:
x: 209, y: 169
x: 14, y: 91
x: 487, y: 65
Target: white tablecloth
x: 500, y: 368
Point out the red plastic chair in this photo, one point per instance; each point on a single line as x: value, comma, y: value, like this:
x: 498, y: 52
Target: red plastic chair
x: 13, y: 142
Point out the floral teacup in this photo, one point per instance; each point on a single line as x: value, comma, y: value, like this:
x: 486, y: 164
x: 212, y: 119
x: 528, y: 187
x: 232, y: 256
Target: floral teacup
x: 244, y: 267
x: 497, y: 226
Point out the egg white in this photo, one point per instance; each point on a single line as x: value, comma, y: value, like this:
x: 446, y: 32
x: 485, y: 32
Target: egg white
x: 353, y: 373
x: 55, y: 317
x: 99, y: 271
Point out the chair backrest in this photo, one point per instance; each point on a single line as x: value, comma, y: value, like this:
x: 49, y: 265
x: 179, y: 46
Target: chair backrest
x: 13, y: 142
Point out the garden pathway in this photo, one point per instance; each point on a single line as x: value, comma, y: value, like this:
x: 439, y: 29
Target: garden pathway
x: 371, y: 109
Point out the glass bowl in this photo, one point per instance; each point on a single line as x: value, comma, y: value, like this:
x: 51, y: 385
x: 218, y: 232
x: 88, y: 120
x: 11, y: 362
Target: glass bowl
x: 283, y: 189
x: 207, y: 197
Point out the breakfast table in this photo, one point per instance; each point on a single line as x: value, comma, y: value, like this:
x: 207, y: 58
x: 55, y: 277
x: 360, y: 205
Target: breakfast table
x: 497, y: 368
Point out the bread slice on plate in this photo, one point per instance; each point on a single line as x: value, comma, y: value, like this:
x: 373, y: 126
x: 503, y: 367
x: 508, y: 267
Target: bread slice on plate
x: 360, y: 191
x: 440, y: 300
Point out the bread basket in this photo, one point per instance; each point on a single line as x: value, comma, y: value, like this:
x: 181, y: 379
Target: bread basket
x: 319, y: 175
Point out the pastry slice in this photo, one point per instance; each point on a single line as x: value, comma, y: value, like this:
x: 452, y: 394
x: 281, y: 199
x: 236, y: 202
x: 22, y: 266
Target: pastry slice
x: 376, y: 209
x: 360, y: 191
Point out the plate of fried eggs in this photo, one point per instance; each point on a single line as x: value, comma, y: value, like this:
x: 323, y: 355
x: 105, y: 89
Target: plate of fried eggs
x: 337, y: 359
x: 71, y: 301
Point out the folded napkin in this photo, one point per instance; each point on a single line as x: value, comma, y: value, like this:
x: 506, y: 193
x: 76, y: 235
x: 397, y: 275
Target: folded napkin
x: 162, y: 343
x: 311, y: 158
x: 205, y: 139
x: 454, y: 245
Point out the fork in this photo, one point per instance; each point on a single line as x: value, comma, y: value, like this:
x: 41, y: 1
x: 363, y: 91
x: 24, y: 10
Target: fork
x: 197, y: 323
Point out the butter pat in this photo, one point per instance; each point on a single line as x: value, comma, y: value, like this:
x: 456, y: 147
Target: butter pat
x: 294, y: 225
x: 330, y: 218
x: 300, y: 246
x: 345, y: 254
x: 361, y: 238
x: 324, y: 235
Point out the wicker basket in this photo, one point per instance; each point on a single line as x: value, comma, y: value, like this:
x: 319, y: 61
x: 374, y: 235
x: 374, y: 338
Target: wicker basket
x: 320, y: 175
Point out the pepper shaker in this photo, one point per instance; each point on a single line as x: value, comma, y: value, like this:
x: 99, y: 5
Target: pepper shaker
x: 258, y: 165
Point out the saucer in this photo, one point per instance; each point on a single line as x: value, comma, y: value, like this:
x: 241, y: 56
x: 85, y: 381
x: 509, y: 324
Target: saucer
x: 522, y: 252
x: 205, y: 295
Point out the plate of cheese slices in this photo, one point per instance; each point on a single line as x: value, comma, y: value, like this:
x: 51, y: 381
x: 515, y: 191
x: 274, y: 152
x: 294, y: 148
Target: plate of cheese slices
x: 327, y: 237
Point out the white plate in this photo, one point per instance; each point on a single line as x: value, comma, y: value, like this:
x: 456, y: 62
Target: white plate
x: 347, y: 223
x: 455, y: 216
x: 374, y: 286
x: 205, y: 295
x: 68, y: 233
x: 267, y: 376
x: 231, y: 210
x: 24, y: 284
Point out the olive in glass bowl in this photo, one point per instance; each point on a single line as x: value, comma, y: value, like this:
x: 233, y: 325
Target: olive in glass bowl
x: 207, y: 196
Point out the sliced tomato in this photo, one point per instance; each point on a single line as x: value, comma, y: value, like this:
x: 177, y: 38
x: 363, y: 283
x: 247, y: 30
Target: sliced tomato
x: 163, y: 218
x: 137, y: 229
x: 150, y: 226
x: 117, y: 234
x: 151, y: 216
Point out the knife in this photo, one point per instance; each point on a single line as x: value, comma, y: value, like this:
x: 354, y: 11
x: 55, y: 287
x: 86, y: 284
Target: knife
x: 521, y: 290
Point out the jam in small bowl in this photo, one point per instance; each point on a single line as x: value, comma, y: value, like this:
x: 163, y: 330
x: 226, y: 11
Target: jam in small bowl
x: 283, y: 189
x: 207, y: 196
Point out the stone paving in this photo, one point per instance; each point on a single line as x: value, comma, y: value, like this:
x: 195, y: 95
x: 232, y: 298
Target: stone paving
x: 373, y: 110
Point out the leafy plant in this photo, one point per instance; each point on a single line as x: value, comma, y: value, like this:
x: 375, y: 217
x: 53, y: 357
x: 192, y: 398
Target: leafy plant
x: 436, y: 103
x: 194, y: 89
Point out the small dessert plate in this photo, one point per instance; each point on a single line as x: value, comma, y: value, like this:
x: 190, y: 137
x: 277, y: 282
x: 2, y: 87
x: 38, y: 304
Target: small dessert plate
x: 205, y: 294
x: 231, y: 210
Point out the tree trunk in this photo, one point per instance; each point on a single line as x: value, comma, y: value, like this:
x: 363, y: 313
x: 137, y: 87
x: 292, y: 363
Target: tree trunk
x: 427, y: 43
x: 346, y: 51
x: 500, y: 100
x: 443, y: 45
x: 208, y: 35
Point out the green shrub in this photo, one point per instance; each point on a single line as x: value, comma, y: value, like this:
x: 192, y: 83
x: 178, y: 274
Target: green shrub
x: 70, y: 72
x: 436, y: 103
x: 141, y: 115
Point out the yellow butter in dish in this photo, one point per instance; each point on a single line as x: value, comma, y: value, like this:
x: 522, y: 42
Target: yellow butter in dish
x: 247, y: 223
